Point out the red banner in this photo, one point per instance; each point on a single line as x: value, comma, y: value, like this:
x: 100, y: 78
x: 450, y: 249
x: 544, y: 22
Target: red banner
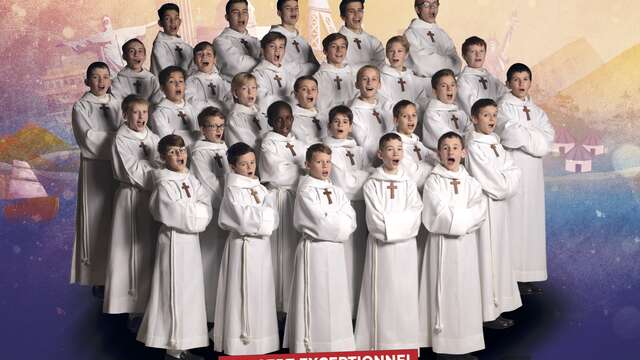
x: 350, y: 355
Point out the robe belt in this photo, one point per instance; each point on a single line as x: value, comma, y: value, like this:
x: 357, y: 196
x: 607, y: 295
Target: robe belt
x: 132, y: 251
x: 307, y: 298
x: 172, y: 291
x: 245, y: 331
x: 85, y: 252
x: 374, y: 292
x: 493, y: 273
x: 438, y: 326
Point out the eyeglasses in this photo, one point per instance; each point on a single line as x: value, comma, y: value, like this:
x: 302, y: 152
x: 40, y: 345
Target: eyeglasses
x: 215, y: 127
x: 431, y: 5
x: 175, y: 151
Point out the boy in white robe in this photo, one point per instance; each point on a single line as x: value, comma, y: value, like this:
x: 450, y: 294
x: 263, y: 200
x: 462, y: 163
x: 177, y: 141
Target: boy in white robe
x: 210, y: 166
x: 175, y: 318
x: 245, y: 123
x: 336, y: 78
x: 298, y: 49
x: 95, y: 119
x: 168, y: 48
x: 526, y: 133
x: 431, y: 47
x: 372, y: 114
x: 206, y: 87
x: 281, y: 164
x: 309, y: 126
x: 475, y: 82
x: 364, y: 48
x: 450, y: 296
x: 388, y: 308
x: 350, y: 168
x: 237, y: 50
x: 442, y: 114
x: 490, y: 164
x: 133, y: 79
x: 133, y: 233
x: 325, y: 218
x: 246, y: 320
x: 174, y: 115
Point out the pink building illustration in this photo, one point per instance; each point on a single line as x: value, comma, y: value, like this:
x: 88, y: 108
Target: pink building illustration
x: 578, y: 160
x: 564, y: 142
x: 594, y: 144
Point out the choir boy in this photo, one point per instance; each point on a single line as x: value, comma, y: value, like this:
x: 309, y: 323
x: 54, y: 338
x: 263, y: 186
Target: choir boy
x: 336, y: 78
x: 298, y: 49
x: 364, y: 48
x: 169, y: 49
x: 133, y: 78
x: 245, y: 123
x: 206, y: 87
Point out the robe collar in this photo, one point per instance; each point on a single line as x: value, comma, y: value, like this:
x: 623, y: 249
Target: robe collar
x: 243, y: 109
x: 408, y: 139
x: 333, y: 69
x: 419, y: 24
x: 232, y: 33
x: 242, y: 182
x: 203, y: 145
x: 206, y: 76
x: 166, y: 174
x: 309, y: 180
x: 348, y: 32
x: 284, y: 31
x: 168, y: 38
x: 437, y: 105
x: 482, y: 72
x: 274, y: 136
x: 168, y: 104
x: 475, y: 136
x: 104, y: 99
x: 387, y: 69
x: 300, y: 111
x: 333, y: 142
x: 380, y: 174
x: 126, y: 132
x: 442, y: 171
x: 128, y: 72
x: 512, y: 99
x: 361, y: 104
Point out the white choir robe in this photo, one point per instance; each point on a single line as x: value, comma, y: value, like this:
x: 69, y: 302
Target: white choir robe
x: 134, y: 233
x: 528, y: 141
x: 309, y: 126
x: 364, y: 49
x: 176, y: 316
x: 319, y: 316
x: 441, y: 118
x: 246, y: 321
x: 204, y: 90
x: 142, y: 83
x: 210, y: 166
x: 450, y: 296
x: 298, y: 51
x: 170, y: 50
x: 166, y: 119
x: 428, y: 56
x: 274, y: 83
x: 94, y: 121
x: 245, y: 124
x: 349, y: 170
x: 281, y: 169
x: 490, y: 164
x: 236, y: 52
x: 404, y: 85
x: 388, y: 308
x: 418, y: 161
x: 367, y: 127
x: 475, y: 84
x: 336, y: 86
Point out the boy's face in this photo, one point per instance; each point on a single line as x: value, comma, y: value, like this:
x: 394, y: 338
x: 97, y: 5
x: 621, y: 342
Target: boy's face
x: 520, y: 83
x: 135, y: 55
x: 336, y: 52
x: 290, y: 13
x: 368, y: 83
x: 320, y: 165
x: 99, y: 81
x: 137, y: 117
x: 245, y: 165
x: 205, y: 60
x: 407, y: 121
x: 428, y: 10
x: 170, y: 22
x: 391, y: 154
x: 475, y: 55
x: 174, y: 88
x: 274, y: 52
x: 307, y: 94
x: 446, y: 89
x: 397, y: 55
x: 238, y: 17
x: 353, y: 15
x: 213, y: 129
x: 340, y: 126
x: 486, y: 120
x: 176, y: 159
x: 450, y: 153
x: 283, y: 122
x: 246, y: 94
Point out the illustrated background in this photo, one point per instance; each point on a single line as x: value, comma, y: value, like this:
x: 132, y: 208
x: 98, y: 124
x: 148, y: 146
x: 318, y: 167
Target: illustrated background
x: 584, y: 55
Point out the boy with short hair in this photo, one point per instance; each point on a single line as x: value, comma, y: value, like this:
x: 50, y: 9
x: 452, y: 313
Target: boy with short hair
x: 168, y: 48
x: 388, y: 309
x: 133, y: 233
x: 490, y: 164
x: 95, y: 120
x: 237, y: 50
x: 450, y: 296
x: 174, y: 115
x: 245, y: 122
x: 298, y: 50
x: 175, y: 318
x: 431, y: 47
x: 364, y: 48
x: 336, y: 78
x: 442, y: 114
x: 133, y: 79
x: 308, y: 127
x: 475, y: 82
x: 210, y: 166
x: 398, y: 82
x: 206, y: 87
x: 246, y: 320
x: 526, y: 133
x: 325, y: 218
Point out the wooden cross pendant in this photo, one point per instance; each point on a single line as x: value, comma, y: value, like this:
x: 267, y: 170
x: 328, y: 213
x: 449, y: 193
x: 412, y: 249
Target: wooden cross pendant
x: 179, y: 51
x: 213, y: 89
x: 290, y: 147
x: 377, y: 115
x: 144, y: 148
x: 483, y: 81
x: 402, y: 83
x: 338, y: 80
x: 138, y: 86
x: 527, y: 111
x: 431, y: 35
x: 327, y: 193
x: 297, y: 45
x: 183, y: 116
x: 257, y: 123
x: 185, y: 187
x: 317, y: 122
x: 358, y: 42
x: 218, y: 159
x: 255, y: 196
x: 392, y: 187
x: 494, y: 147
x: 105, y: 111
x: 278, y: 79
x: 349, y: 154
x: 455, y: 183
x: 455, y: 121
x: 245, y: 43
x: 417, y: 151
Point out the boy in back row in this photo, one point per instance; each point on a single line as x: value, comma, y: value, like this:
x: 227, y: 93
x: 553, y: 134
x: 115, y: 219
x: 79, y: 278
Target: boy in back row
x: 169, y: 49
